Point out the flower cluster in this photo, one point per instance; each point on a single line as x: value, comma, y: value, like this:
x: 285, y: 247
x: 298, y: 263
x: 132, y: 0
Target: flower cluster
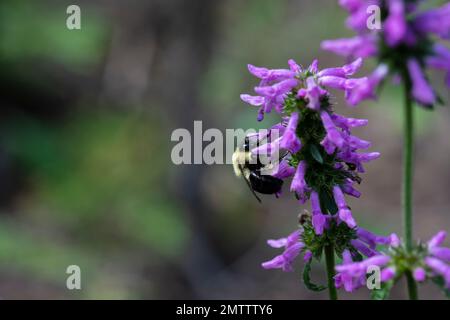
x: 323, y: 156
x: 404, y: 45
x: 356, y: 243
x: 429, y: 260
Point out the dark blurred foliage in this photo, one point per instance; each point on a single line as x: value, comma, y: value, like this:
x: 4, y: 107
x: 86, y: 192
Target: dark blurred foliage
x: 85, y: 171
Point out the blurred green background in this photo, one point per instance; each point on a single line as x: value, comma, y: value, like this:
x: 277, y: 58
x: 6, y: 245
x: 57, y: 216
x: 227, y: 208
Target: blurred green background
x: 85, y: 171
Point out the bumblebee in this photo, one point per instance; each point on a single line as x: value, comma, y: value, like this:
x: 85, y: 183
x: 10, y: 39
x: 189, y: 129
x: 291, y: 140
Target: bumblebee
x: 251, y: 170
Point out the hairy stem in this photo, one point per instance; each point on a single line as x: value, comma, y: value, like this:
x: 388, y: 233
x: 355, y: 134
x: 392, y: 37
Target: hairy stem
x: 407, y: 190
x: 329, y: 260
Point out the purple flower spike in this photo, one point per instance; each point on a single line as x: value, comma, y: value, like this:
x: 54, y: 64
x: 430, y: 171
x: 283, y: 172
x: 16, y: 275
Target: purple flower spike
x: 421, y: 90
x: 290, y: 141
x: 419, y: 274
x: 395, y: 25
x: 344, y: 213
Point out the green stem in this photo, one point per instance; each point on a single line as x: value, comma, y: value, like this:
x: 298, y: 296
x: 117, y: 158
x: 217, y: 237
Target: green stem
x: 329, y: 260
x: 407, y: 192
x: 412, y: 286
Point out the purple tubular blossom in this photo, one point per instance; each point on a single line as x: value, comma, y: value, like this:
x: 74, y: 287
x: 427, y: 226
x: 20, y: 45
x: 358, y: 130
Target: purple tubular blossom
x: 284, y: 260
x: 348, y: 123
x: 441, y: 253
x: 348, y: 281
x: 313, y: 93
x: 348, y: 189
x: 421, y: 89
x: 290, y: 141
x: 314, y: 67
x: 298, y: 184
x: 344, y: 212
x: 352, y: 275
x: 359, y: 268
x: 364, y: 249
x: 437, y: 239
x: 319, y: 220
x: 285, y: 242
x: 344, y: 71
x: 307, y: 256
x: 360, y: 46
x: 267, y: 76
x: 395, y: 25
x: 372, y: 239
x: 333, y: 136
x: 293, y: 247
x: 268, y: 149
x: 435, y: 20
x: 253, y: 100
x: 440, y: 268
x: 387, y: 274
x: 297, y: 69
x: 440, y: 60
x: 284, y: 170
x: 358, y: 13
x: 419, y: 274
x: 366, y: 89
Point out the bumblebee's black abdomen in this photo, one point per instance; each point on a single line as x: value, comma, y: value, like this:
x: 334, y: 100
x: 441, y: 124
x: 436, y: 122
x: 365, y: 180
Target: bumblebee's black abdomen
x: 265, y: 184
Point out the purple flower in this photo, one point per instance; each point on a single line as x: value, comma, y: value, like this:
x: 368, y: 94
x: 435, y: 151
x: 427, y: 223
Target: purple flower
x: 344, y: 212
x: 440, y: 60
x: 308, y: 84
x: 319, y: 220
x: 366, y: 89
x: 298, y: 184
x: 419, y: 274
x: 435, y: 21
x: 352, y: 275
x: 440, y: 268
x: 292, y: 248
x: 395, y: 25
x: 361, y: 46
x: 333, y: 138
x: 290, y: 141
x: 405, y: 33
x: 284, y: 170
x: 421, y: 89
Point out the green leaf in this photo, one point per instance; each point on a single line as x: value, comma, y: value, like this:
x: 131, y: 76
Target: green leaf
x: 307, y: 279
x: 316, y: 153
x: 383, y: 292
x: 440, y: 282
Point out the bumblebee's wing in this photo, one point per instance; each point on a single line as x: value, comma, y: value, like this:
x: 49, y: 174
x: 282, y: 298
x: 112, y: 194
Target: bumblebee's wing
x: 248, y: 184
